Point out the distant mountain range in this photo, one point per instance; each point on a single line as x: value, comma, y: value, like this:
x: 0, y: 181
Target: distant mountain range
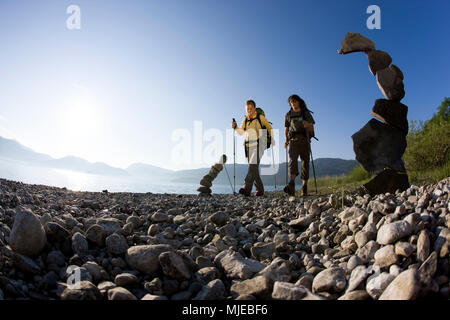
x: 13, y: 150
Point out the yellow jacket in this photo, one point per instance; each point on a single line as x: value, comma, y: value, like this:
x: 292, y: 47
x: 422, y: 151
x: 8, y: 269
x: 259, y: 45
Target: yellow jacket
x: 253, y: 128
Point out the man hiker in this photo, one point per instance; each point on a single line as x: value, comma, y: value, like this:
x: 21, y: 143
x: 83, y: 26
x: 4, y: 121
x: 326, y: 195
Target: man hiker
x: 299, y: 129
x: 258, y: 137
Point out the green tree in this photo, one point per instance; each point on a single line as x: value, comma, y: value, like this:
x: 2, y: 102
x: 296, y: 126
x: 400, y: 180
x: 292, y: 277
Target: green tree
x: 429, y: 142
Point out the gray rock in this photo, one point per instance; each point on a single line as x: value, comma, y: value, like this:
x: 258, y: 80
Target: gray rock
x: 392, y: 232
x: 26, y: 264
x: 385, y: 256
x: 125, y: 279
x: 358, y: 275
x: 173, y: 266
x: 405, y: 286
x: 404, y: 249
x: 367, y: 252
x: 263, y: 250
x: 120, y: 293
x: 27, y: 235
x: 302, y: 222
x: 353, y: 262
x: 214, y: 290
x: 278, y: 270
x: 219, y: 218
x: 355, y: 42
x: 56, y: 233
x: 109, y: 225
x: 106, y: 285
x: 330, y: 280
x: 378, y: 60
x: 442, y: 243
x: 423, y: 246
x: 355, y: 295
x: 259, y: 287
x: 378, y: 283
x: 116, y: 244
x: 362, y: 237
x: 287, y: 291
x: 86, y: 291
x: 79, y: 244
x: 236, y: 266
x: 94, y: 269
x: 206, y: 275
x: 144, y: 258
x: 96, y: 234
x: 428, y: 269
x: 305, y: 280
x: 159, y: 217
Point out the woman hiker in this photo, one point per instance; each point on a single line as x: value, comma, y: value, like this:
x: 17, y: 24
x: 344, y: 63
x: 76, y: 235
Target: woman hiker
x: 255, y: 125
x: 299, y: 129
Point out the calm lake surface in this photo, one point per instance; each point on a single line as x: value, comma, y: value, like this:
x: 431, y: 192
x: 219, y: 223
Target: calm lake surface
x: 77, y: 181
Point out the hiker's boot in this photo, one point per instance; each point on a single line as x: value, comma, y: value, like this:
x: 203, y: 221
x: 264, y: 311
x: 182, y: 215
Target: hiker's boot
x: 259, y: 193
x: 305, y: 190
x: 290, y: 188
x: 244, y: 191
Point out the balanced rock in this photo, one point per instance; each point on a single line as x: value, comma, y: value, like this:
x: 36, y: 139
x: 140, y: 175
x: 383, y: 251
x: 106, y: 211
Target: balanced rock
x: 205, y: 182
x: 392, y: 113
x: 378, y: 146
x: 390, y: 82
x: 27, y: 235
x: 355, y: 42
x: 378, y: 60
x: 387, y: 180
x: 203, y: 189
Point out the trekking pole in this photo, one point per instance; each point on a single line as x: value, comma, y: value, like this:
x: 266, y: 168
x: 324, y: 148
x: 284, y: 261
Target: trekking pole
x: 286, y: 164
x: 228, y: 178
x: 234, y: 160
x: 273, y: 165
x: 314, y: 170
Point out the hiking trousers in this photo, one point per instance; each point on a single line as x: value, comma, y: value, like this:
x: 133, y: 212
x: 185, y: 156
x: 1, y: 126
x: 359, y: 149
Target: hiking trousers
x: 299, y: 146
x: 253, y: 177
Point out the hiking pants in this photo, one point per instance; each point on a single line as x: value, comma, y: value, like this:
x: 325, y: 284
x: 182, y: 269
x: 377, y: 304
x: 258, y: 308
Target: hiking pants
x: 253, y: 177
x: 299, y: 146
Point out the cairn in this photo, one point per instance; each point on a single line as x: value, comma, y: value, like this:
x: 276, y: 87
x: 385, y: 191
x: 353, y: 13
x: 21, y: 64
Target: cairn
x: 206, y: 181
x: 379, y: 146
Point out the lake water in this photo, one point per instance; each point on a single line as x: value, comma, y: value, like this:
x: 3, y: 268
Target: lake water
x: 77, y: 181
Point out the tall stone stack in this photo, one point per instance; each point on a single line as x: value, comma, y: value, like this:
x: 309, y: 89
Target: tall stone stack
x: 206, y: 181
x: 379, y: 146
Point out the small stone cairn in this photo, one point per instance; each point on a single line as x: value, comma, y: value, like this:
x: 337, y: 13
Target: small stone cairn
x: 206, y: 181
x: 379, y: 146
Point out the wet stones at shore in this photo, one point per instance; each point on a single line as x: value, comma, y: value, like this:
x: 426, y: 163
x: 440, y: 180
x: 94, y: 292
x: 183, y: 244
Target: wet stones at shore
x: 192, y: 248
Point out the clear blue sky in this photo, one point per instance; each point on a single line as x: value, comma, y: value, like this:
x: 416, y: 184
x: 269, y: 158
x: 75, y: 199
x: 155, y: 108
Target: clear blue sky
x: 115, y: 90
